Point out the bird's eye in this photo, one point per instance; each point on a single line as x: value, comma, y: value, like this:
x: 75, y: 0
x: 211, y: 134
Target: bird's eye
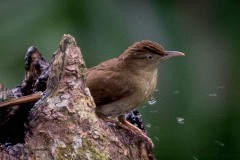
x: 149, y: 56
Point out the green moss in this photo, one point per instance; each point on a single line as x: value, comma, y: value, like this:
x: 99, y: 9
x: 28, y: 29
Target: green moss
x: 63, y: 153
x: 86, y: 151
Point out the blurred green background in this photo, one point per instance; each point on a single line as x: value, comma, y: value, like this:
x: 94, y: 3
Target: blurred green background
x: 197, y: 109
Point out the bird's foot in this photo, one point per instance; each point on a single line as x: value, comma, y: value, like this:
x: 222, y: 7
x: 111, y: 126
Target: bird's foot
x: 128, y: 126
x: 123, y: 123
x: 113, y: 121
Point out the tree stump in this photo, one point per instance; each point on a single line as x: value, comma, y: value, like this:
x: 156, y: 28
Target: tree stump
x: 63, y: 123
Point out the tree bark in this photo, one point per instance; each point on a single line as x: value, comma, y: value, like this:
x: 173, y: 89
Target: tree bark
x: 63, y: 123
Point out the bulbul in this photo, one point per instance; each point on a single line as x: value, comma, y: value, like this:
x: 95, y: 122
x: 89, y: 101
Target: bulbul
x: 122, y: 84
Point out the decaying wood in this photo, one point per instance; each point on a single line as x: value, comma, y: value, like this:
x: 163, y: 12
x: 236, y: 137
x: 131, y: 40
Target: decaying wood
x: 63, y: 123
x: 14, y: 119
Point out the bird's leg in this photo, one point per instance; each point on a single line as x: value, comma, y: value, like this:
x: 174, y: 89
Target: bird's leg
x: 123, y: 123
x: 114, y: 121
x: 136, y: 130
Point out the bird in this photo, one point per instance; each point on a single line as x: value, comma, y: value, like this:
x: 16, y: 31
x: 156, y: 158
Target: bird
x: 122, y: 84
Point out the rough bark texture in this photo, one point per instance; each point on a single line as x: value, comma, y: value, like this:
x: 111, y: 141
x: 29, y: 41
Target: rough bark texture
x: 63, y: 123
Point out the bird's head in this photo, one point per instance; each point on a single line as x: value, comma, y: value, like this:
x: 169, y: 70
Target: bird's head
x: 146, y: 54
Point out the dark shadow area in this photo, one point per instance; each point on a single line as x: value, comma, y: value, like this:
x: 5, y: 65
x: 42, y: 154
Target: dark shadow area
x: 13, y: 130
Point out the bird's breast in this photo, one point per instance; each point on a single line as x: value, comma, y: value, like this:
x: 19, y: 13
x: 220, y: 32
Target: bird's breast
x: 142, y: 88
x: 146, y: 87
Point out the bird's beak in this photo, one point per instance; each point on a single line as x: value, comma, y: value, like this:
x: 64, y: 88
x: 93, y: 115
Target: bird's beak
x: 170, y: 54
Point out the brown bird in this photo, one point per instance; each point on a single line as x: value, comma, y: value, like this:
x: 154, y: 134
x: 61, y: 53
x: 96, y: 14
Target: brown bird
x: 122, y: 84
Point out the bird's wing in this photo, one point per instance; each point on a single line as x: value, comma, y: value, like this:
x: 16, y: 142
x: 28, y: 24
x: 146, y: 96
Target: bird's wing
x: 106, y: 85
